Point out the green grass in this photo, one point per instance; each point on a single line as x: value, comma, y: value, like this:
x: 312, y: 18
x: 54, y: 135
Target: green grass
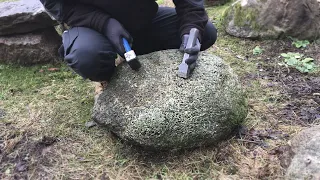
x: 54, y: 104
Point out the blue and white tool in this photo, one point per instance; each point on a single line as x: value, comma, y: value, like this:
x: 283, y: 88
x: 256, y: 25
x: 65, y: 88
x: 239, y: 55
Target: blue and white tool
x: 131, y: 56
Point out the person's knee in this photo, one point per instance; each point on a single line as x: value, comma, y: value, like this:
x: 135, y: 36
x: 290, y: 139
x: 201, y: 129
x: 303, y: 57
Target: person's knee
x: 92, y: 64
x: 210, y: 36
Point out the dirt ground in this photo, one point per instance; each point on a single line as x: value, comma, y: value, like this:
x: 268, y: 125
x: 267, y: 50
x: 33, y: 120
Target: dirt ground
x: 299, y: 93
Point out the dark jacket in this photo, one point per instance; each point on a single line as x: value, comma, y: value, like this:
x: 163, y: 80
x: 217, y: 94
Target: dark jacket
x: 132, y: 14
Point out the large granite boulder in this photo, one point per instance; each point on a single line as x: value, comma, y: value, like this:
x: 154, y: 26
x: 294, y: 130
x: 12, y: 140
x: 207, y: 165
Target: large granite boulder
x: 272, y: 19
x: 306, y: 161
x: 30, y: 48
x: 156, y: 109
x: 23, y: 16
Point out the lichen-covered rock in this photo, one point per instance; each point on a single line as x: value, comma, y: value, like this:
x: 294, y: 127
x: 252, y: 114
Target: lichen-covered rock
x: 306, y: 161
x: 30, y: 48
x: 23, y: 16
x: 156, y: 109
x: 273, y: 19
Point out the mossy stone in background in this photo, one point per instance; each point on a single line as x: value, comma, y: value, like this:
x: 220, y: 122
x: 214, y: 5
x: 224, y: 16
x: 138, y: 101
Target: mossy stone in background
x: 270, y: 19
x: 158, y: 110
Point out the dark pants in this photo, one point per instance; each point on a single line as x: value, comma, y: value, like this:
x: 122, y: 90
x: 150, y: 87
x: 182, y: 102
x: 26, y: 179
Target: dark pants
x: 90, y: 54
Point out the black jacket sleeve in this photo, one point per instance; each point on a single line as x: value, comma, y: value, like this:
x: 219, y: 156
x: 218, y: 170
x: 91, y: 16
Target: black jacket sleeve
x: 76, y: 14
x: 192, y: 14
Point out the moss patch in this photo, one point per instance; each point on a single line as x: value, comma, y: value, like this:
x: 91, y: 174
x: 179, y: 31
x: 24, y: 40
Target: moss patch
x: 245, y: 16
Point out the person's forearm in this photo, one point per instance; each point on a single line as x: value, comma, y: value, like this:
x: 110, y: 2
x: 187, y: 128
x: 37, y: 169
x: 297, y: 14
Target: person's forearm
x: 54, y: 8
x: 75, y: 14
x: 192, y: 14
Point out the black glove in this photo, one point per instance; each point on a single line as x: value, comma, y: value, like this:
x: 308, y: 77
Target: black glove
x: 115, y: 32
x: 193, y: 51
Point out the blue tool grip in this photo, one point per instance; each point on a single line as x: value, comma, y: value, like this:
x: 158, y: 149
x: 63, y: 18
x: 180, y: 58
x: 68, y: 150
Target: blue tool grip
x: 126, y: 45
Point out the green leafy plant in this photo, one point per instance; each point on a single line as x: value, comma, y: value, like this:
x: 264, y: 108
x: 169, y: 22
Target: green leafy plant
x: 257, y: 50
x: 297, y: 60
x: 299, y: 43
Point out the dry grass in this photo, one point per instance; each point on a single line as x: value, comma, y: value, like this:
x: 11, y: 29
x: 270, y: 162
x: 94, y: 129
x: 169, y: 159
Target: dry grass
x: 43, y: 133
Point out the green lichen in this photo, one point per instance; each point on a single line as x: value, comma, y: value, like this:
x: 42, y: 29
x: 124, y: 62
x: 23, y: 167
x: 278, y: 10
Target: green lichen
x: 219, y: 14
x: 226, y: 14
x: 246, y: 16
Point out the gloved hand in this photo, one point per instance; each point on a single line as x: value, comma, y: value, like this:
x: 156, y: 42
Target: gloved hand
x: 193, y: 51
x: 114, y: 31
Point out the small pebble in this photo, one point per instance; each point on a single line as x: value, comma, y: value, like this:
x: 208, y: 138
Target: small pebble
x: 90, y: 124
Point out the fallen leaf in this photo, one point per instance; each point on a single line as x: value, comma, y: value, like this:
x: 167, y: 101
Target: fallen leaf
x: 53, y: 69
x: 11, y: 144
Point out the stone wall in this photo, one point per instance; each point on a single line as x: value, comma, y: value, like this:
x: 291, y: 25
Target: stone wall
x: 27, y: 34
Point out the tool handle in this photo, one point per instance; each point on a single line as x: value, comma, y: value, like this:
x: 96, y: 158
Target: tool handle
x: 193, y: 36
x: 126, y: 45
x: 184, y: 69
x: 192, y: 40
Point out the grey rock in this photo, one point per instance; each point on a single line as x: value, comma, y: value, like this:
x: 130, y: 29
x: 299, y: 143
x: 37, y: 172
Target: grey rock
x: 156, y: 109
x: 31, y: 48
x: 306, y: 161
x: 2, y: 113
x: 270, y: 19
x: 23, y: 16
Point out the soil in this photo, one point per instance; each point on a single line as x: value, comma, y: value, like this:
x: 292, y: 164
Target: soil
x: 296, y: 104
x: 23, y: 154
x: 299, y: 91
